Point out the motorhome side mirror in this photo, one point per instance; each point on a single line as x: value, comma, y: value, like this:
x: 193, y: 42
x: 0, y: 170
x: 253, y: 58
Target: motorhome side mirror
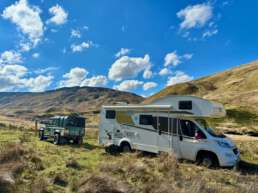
x: 159, y: 132
x: 180, y: 137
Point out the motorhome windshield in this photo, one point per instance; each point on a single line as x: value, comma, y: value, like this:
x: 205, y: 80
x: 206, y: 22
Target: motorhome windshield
x: 213, y: 132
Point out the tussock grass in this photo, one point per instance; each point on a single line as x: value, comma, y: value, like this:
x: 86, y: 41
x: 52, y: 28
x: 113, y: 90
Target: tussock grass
x: 87, y: 168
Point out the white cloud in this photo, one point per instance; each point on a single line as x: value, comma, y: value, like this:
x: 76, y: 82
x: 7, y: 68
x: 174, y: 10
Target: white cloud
x: 75, y: 33
x: 178, y: 77
x: 195, y: 16
x: 78, y: 77
x: 174, y: 59
x: 10, y: 57
x: 98, y: 81
x: 128, y: 67
x: 209, y: 33
x: 45, y: 70
x: 122, y: 52
x: 39, y: 83
x: 80, y: 47
x: 128, y: 85
x: 164, y: 71
x: 187, y: 56
x: 149, y: 85
x: 27, y: 18
x: 12, y: 77
x: 59, y: 15
x: 35, y: 55
x: 74, y: 78
x: 147, y: 74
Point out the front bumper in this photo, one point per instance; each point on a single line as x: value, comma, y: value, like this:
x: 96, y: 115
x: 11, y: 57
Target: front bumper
x: 229, y: 157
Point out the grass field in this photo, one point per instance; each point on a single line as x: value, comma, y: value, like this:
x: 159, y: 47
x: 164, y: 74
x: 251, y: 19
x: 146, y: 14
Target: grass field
x: 41, y: 167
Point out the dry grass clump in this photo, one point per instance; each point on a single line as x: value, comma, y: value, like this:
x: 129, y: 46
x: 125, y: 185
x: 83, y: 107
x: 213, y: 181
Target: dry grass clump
x: 10, y: 165
x: 101, y: 183
x: 11, y: 152
x: 72, y: 163
x: 60, y: 179
x: 39, y: 185
x: 163, y: 174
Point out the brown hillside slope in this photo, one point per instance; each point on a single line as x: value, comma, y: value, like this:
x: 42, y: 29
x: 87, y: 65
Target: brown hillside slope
x: 237, y: 86
x: 65, y: 100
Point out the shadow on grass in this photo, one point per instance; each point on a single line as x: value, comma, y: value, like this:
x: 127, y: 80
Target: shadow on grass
x: 247, y: 167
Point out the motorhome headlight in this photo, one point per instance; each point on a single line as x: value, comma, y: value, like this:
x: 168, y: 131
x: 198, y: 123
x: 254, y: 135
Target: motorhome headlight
x: 223, y: 144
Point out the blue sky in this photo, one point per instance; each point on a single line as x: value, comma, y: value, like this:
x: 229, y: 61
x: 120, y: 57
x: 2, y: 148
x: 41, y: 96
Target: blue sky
x: 135, y: 45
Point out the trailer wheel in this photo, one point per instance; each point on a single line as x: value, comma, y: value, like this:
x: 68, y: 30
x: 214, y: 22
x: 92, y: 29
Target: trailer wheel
x: 41, y: 135
x: 56, y: 138
x: 78, y: 140
x: 125, y: 147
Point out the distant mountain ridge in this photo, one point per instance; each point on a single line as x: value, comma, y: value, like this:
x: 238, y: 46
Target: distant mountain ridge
x: 62, y: 101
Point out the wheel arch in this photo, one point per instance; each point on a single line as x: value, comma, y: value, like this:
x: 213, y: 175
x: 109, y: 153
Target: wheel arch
x: 125, y: 141
x: 203, y: 152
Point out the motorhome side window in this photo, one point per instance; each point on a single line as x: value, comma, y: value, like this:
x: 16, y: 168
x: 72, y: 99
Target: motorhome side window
x: 163, y: 124
x: 185, y: 105
x: 173, y: 125
x: 146, y: 120
x: 188, y: 128
x: 110, y: 114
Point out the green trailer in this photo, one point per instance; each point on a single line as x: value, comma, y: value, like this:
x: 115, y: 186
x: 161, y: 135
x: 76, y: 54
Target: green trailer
x: 63, y: 128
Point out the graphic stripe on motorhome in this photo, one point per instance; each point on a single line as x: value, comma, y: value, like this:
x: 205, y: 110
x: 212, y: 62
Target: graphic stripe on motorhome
x: 140, y: 127
x: 152, y: 130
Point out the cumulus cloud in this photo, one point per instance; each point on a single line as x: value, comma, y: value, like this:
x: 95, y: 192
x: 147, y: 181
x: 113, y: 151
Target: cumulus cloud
x: 80, y: 47
x: 10, y: 57
x: 174, y: 59
x: 39, y: 83
x: 147, y: 74
x: 122, y: 52
x: 28, y: 21
x: 195, y: 16
x: 13, y: 77
x: 78, y: 77
x: 164, y: 71
x: 59, y: 15
x: 178, y: 77
x: 149, y: 85
x: 98, y: 81
x: 75, y: 33
x: 128, y: 85
x: 74, y: 78
x: 128, y: 67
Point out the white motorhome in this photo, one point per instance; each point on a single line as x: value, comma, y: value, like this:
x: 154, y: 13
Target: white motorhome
x: 170, y: 124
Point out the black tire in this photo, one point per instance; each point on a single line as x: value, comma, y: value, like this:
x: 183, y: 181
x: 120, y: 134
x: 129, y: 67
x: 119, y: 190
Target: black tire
x: 57, y: 139
x: 209, y: 161
x: 41, y: 135
x: 112, y: 150
x: 125, y: 148
x: 78, y: 141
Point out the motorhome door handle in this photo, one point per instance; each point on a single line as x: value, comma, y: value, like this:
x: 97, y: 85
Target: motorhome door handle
x: 117, y: 131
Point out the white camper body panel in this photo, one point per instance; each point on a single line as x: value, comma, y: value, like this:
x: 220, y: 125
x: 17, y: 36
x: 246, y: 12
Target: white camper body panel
x: 125, y: 124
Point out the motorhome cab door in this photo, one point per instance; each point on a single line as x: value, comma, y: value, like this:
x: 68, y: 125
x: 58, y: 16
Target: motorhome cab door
x: 187, y: 142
